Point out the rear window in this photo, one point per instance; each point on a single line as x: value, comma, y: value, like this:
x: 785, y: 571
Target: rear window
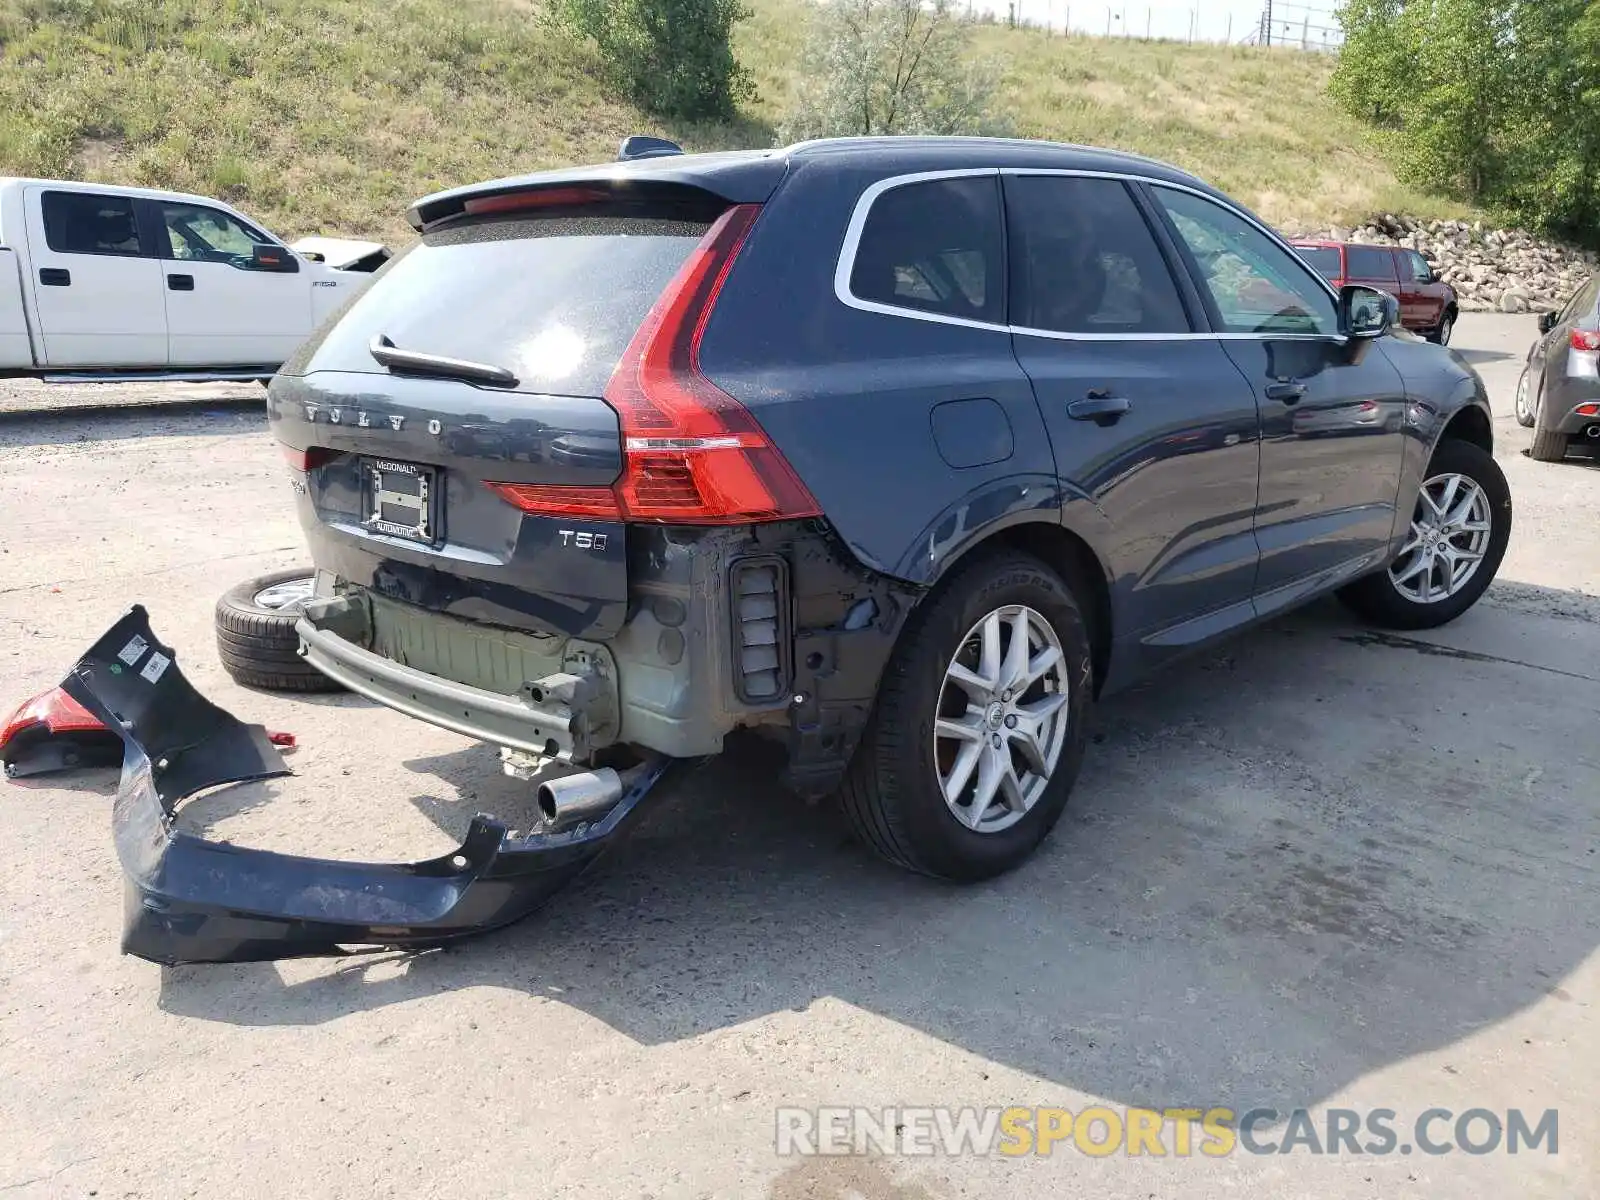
x: 554, y: 300
x: 1324, y: 260
x: 1371, y: 262
x: 83, y: 223
x: 935, y: 247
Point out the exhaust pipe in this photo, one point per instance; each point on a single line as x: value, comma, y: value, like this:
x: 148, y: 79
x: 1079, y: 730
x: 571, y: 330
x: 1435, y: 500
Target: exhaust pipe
x: 1592, y: 432
x: 586, y: 796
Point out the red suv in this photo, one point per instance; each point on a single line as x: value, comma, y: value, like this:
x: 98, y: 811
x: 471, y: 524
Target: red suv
x: 1427, y: 304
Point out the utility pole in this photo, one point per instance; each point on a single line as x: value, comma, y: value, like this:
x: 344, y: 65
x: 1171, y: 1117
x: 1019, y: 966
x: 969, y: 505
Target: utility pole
x: 1266, y: 24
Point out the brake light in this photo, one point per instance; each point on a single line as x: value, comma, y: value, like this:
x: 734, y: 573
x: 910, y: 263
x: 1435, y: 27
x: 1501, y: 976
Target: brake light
x: 1585, y: 339
x: 543, y: 198
x: 692, y: 454
x: 306, y: 460
x: 1588, y: 410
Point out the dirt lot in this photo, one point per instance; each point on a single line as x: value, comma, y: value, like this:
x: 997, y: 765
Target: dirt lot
x: 1313, y: 868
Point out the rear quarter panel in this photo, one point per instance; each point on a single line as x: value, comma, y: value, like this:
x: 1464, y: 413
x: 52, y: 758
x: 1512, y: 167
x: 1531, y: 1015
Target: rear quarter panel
x: 852, y: 398
x: 16, y: 348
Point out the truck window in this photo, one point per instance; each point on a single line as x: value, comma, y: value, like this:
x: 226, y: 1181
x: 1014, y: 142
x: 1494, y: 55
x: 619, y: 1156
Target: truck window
x: 198, y: 234
x: 84, y: 223
x: 1372, y: 263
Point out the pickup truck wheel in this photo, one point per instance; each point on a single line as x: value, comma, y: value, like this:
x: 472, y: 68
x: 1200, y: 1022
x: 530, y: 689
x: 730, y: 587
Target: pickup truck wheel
x: 1524, y: 404
x: 256, y: 640
x: 978, y: 732
x: 1458, y: 535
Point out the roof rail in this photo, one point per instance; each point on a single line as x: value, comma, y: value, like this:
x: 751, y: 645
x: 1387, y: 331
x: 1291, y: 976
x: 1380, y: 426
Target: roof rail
x: 641, y: 145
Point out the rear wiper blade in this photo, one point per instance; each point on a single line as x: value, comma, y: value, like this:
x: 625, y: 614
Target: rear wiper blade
x: 423, y: 363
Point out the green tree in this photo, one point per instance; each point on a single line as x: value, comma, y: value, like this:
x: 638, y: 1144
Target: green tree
x: 1496, y: 101
x: 671, y: 57
x: 890, y: 66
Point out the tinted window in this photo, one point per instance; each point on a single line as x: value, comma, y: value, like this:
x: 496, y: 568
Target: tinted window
x: 554, y: 300
x: 1370, y: 262
x: 1083, y: 260
x: 1582, y: 301
x: 198, y: 234
x: 1256, y: 285
x: 83, y: 223
x: 1324, y: 260
x: 1420, y: 270
x: 935, y: 247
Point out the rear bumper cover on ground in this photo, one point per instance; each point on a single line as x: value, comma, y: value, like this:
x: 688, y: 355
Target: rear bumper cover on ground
x: 191, y: 900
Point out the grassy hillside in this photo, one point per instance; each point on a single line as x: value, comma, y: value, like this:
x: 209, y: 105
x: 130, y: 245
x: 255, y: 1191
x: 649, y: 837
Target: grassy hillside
x: 331, y: 115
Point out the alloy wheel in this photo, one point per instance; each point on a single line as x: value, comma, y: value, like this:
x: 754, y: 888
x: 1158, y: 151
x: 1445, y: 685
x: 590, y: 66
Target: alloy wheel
x: 291, y: 593
x: 1002, y: 718
x: 1448, y: 540
x: 1523, y: 406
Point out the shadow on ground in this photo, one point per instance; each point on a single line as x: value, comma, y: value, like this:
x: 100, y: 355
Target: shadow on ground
x: 1290, y: 862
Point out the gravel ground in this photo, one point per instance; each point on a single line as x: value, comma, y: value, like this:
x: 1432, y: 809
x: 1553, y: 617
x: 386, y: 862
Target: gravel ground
x: 1314, y: 867
x: 31, y: 398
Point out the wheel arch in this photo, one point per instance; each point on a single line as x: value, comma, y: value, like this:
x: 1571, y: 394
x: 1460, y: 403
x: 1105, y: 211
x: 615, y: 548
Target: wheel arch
x: 1072, y: 557
x: 1469, y: 424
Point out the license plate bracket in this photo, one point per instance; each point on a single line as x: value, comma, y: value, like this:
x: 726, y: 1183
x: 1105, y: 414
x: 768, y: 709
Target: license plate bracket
x: 402, y: 499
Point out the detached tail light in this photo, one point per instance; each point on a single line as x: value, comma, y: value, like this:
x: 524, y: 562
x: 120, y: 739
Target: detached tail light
x: 692, y: 454
x: 1585, y: 339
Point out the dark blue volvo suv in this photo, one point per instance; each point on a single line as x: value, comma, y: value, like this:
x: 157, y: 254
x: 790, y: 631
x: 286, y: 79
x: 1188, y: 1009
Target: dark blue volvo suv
x: 897, y: 451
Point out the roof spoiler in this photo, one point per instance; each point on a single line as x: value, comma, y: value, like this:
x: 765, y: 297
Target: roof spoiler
x: 643, y: 146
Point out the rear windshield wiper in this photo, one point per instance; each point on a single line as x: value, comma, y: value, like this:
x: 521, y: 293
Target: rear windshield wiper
x: 422, y: 363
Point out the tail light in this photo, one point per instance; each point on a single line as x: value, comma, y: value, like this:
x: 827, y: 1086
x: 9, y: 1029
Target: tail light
x: 1585, y: 339
x: 1587, y: 410
x: 306, y: 460
x: 692, y: 454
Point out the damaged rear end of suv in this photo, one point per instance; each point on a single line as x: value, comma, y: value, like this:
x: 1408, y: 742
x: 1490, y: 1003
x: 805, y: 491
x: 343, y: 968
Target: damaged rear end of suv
x: 536, y: 521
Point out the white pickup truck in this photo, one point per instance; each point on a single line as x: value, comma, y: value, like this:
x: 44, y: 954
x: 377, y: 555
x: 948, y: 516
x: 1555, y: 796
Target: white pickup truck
x: 100, y: 281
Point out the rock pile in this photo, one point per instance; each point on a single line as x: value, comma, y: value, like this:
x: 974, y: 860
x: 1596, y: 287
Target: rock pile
x: 1492, y: 270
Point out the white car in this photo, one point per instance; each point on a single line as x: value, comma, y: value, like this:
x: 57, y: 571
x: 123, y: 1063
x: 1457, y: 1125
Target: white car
x: 104, y: 280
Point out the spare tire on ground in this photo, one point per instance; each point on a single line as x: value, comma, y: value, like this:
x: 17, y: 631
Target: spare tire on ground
x: 255, y: 633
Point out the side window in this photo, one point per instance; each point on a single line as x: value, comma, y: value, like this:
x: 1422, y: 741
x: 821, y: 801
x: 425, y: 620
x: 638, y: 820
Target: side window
x: 198, y: 234
x: 1420, y: 270
x: 83, y: 223
x: 934, y: 247
x: 1083, y: 260
x: 1256, y: 285
x: 1371, y: 262
x: 1581, y: 302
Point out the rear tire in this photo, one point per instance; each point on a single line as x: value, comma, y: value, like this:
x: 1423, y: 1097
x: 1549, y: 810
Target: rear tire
x: 895, y: 790
x: 1548, y: 446
x: 1391, y: 602
x: 256, y: 638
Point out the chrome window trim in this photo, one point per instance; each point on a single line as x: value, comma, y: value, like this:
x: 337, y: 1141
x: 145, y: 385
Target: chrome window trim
x: 863, y: 208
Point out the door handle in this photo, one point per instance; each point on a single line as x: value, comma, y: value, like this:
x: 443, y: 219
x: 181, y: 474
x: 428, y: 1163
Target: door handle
x: 1100, y: 407
x: 181, y: 283
x: 55, y: 277
x: 1289, y: 391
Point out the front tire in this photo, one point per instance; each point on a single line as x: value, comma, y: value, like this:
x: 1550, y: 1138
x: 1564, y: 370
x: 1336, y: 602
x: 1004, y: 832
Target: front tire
x: 1440, y: 334
x: 978, y: 731
x: 1459, y: 531
x: 1524, y: 405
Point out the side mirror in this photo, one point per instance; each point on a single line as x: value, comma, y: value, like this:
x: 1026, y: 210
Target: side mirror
x: 1366, y: 313
x: 265, y: 256
x: 1547, y: 322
